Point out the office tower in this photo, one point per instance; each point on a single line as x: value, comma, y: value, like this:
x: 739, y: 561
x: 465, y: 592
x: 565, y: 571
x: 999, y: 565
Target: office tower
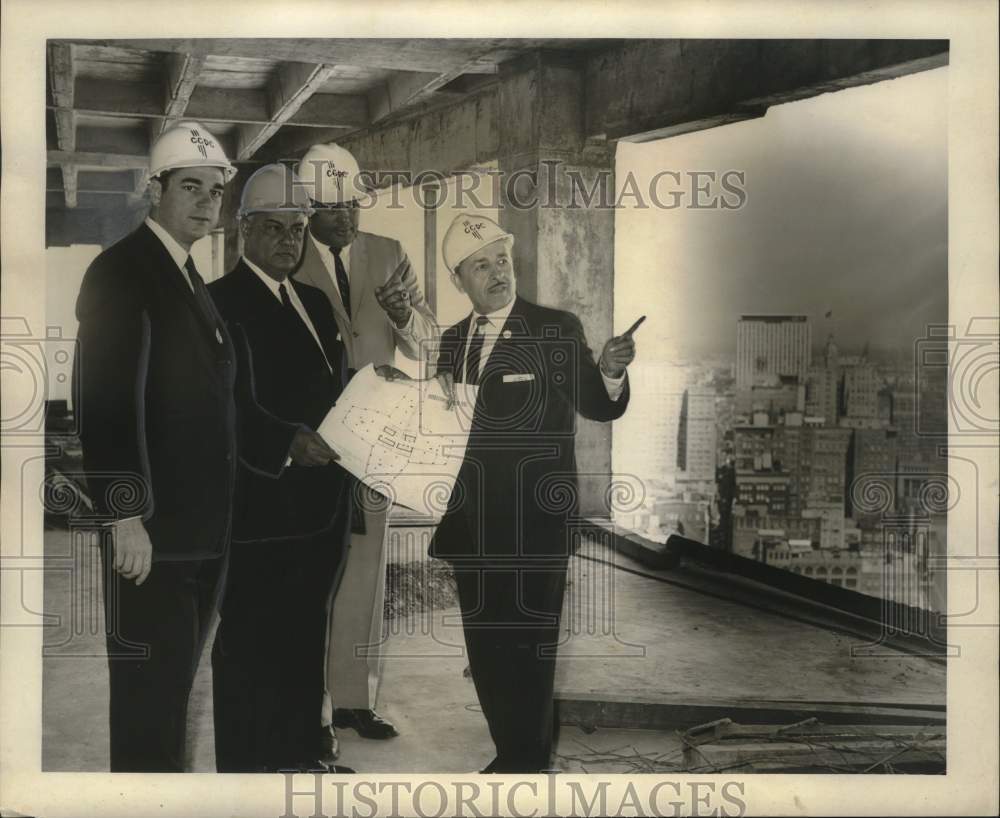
x: 697, y: 434
x: 861, y: 391
x: 646, y: 437
x: 824, y: 386
x: 769, y: 346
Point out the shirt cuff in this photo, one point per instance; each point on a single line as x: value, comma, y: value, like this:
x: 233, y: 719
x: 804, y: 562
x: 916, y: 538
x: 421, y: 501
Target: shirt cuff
x: 615, y: 386
x: 288, y: 460
x: 113, y: 525
x: 407, y: 328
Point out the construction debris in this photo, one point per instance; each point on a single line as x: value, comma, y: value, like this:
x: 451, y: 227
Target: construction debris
x: 811, y: 746
x: 416, y: 587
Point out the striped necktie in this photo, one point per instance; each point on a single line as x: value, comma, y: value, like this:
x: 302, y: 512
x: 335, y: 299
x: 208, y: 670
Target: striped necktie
x: 343, y: 284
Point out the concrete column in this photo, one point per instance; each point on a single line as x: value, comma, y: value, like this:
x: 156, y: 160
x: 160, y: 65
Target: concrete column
x: 117, y: 224
x: 564, y: 250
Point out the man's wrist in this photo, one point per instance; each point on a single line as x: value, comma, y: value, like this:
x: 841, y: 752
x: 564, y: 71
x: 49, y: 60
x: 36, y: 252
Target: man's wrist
x: 613, y: 375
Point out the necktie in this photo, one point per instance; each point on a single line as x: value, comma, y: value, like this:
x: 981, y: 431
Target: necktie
x: 342, y: 283
x: 285, y: 298
x: 475, y: 351
x: 194, y: 277
x: 201, y: 296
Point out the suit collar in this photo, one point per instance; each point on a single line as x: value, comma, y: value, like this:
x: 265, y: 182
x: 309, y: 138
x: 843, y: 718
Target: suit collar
x: 515, y: 310
x: 262, y: 300
x: 271, y: 284
x: 261, y: 297
x: 170, y: 244
x: 498, y: 317
x: 358, y: 264
x: 314, y: 270
x: 514, y: 324
x: 157, y: 251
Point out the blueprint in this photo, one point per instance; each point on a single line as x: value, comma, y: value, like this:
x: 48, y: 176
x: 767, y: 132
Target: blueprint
x: 399, y: 438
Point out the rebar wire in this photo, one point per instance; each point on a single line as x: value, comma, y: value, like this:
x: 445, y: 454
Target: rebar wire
x: 818, y: 744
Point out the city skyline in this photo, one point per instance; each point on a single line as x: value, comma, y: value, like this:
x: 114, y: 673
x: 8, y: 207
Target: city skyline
x: 777, y: 462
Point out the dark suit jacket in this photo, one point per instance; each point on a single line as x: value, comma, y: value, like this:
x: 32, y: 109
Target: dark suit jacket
x: 157, y: 410
x: 517, y: 486
x: 291, y: 380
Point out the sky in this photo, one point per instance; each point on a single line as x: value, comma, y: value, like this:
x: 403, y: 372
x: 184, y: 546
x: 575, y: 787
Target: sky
x: 846, y: 212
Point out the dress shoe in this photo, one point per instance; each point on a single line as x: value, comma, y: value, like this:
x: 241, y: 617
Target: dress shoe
x: 329, y: 746
x: 368, y: 723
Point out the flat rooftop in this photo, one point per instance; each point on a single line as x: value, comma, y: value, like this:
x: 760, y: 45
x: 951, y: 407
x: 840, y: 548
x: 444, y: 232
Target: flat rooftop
x: 676, y: 643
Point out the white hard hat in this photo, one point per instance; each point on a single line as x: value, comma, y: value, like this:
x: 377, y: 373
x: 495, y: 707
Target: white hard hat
x: 468, y: 234
x: 188, y: 145
x: 331, y: 174
x: 273, y: 188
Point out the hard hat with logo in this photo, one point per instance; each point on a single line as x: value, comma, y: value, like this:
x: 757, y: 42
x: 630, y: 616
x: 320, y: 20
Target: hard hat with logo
x: 273, y: 188
x: 468, y: 234
x: 188, y: 145
x: 332, y: 175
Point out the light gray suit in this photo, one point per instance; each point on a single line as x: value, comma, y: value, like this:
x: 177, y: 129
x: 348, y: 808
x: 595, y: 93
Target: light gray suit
x: 369, y: 337
x: 369, y: 334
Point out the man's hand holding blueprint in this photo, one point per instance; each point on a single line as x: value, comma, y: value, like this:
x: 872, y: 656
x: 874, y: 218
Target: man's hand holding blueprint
x: 400, y: 438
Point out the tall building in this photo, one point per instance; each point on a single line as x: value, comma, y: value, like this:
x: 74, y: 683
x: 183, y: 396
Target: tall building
x: 862, y: 385
x: 872, y: 469
x: 823, y: 386
x: 790, y: 472
x: 823, y: 467
x: 646, y: 437
x: 697, y: 434
x: 769, y: 346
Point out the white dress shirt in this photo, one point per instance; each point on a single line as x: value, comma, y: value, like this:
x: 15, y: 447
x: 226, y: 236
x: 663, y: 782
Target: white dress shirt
x: 177, y: 253
x: 491, y: 332
x: 326, y: 255
x: 273, y: 286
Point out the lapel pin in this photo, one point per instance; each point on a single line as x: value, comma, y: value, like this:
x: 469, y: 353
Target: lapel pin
x: 506, y: 334
x: 218, y: 335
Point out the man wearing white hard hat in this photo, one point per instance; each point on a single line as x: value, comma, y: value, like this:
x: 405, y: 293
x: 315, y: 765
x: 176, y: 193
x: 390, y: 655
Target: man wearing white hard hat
x: 289, y: 533
x: 156, y: 373
x: 380, y: 309
x: 506, y: 530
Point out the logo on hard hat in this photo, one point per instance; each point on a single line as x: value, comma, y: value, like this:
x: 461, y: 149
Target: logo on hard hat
x: 332, y: 172
x: 474, y: 229
x: 203, y: 143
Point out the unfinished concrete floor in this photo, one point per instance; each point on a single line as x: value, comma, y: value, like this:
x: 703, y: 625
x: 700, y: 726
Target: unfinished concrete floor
x: 625, y: 635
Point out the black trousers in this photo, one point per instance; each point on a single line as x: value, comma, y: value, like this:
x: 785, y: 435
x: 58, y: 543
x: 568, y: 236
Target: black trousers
x: 268, y: 661
x: 155, y: 633
x: 510, y: 618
